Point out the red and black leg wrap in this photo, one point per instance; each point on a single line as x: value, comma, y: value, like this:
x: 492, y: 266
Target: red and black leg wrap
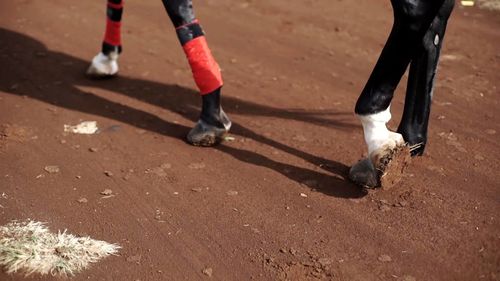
x: 206, y: 71
x: 112, y: 37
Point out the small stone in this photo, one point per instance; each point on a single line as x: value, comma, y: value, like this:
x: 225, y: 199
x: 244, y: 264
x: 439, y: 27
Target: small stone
x: 108, y: 173
x: 93, y: 149
x: 385, y: 258
x: 303, y: 195
x: 282, y: 250
x: 82, y: 200
x: 232, y: 193
x: 207, y: 271
x: 197, y: 189
x: 107, y: 192
x: 52, y: 169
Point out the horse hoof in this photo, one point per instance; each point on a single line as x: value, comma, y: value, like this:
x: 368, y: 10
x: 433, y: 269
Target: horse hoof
x: 204, y: 134
x: 103, y: 66
x: 364, y: 174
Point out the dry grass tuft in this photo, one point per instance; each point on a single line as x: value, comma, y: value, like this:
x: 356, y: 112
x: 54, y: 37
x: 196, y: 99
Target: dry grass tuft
x: 29, y: 247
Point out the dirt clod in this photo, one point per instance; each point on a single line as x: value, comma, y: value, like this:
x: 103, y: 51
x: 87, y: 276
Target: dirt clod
x: 106, y: 191
x: 207, y: 271
x: 384, y: 258
x: 392, y: 166
x: 52, y: 169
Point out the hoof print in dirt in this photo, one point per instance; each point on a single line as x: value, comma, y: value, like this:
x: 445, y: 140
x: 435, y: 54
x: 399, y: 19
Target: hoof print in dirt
x: 387, y: 171
x: 206, y: 135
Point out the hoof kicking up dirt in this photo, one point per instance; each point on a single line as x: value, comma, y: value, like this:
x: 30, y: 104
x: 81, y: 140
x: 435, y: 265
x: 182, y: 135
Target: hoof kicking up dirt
x: 383, y: 170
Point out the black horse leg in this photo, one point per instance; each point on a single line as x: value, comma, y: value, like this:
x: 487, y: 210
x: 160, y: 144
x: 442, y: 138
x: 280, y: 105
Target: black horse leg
x: 415, y: 119
x: 412, y: 18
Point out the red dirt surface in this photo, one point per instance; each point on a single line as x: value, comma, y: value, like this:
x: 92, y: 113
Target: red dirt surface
x: 274, y: 204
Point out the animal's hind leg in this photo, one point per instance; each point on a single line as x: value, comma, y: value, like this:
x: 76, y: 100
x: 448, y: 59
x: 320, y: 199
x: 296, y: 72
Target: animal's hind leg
x: 213, y: 123
x: 415, y: 119
x: 105, y: 63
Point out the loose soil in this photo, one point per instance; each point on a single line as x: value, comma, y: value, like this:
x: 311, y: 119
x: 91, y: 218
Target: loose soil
x: 274, y: 203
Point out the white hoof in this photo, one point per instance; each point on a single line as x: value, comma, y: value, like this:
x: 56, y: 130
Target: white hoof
x: 103, y: 65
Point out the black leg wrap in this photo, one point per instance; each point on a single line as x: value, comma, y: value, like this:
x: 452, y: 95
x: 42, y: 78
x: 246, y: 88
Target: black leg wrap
x: 213, y: 123
x: 211, y: 109
x: 180, y: 11
x: 108, y: 48
x: 189, y: 32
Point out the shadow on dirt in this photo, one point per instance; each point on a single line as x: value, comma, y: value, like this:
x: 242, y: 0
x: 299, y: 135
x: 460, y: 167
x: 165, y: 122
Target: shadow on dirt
x: 27, y: 61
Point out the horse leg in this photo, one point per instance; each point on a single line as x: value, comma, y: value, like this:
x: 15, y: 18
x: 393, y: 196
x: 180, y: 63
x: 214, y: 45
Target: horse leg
x: 213, y: 123
x: 411, y: 21
x: 105, y: 63
x: 423, y: 68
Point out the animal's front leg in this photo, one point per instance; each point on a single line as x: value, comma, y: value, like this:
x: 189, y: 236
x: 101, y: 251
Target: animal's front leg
x: 105, y: 63
x: 373, y: 107
x: 411, y: 20
x: 213, y: 123
x: 419, y: 91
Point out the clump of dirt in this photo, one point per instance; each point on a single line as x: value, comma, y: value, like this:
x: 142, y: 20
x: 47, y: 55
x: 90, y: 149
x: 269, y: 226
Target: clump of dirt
x: 391, y: 167
x: 297, y: 266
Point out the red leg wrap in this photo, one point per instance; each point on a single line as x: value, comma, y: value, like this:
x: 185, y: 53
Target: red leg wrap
x: 206, y: 71
x: 112, y: 35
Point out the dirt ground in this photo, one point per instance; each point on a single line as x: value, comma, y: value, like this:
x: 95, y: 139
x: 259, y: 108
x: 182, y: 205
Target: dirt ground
x: 274, y: 203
